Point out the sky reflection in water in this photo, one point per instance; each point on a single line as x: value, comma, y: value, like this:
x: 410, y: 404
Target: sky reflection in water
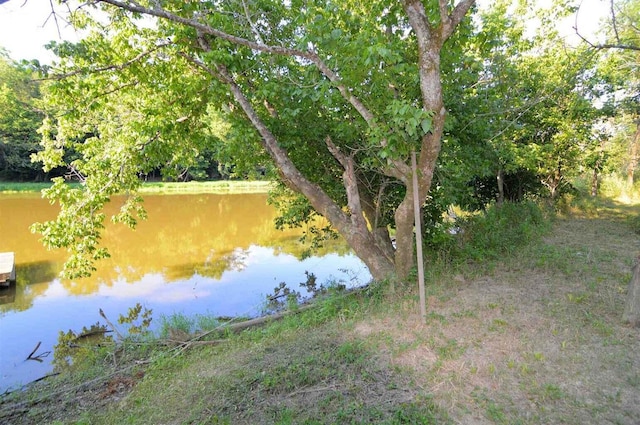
x: 197, y: 254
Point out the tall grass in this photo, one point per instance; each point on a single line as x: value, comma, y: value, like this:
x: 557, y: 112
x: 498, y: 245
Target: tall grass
x: 615, y: 187
x: 501, y: 230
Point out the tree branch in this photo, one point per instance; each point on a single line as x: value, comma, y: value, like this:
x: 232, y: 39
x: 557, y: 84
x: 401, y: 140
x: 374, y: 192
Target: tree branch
x: 350, y: 182
x: 456, y: 16
x: 114, y: 67
x: 613, y: 22
x: 607, y: 45
x: 255, y: 31
x: 601, y: 46
x: 309, y: 55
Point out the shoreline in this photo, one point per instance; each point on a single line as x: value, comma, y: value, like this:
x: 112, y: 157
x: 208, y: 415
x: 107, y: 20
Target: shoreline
x: 192, y: 187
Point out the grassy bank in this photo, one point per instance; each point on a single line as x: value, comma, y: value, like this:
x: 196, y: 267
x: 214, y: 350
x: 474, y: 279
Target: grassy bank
x: 218, y: 187
x: 10, y: 187
x: 521, y: 334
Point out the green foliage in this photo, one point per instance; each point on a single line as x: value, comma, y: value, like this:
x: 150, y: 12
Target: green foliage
x: 19, y: 121
x: 132, y: 99
x: 79, y: 350
x: 340, y: 83
x: 138, y: 318
x: 501, y: 230
x: 523, y: 106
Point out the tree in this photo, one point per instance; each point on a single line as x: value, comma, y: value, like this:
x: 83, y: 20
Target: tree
x: 620, y: 42
x: 335, y: 94
x: 19, y: 120
x: 524, y: 118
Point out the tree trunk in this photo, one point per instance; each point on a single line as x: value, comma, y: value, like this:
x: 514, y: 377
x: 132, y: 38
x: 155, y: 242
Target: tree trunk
x: 430, y: 40
x: 555, y: 181
x: 633, y: 156
x: 404, y: 259
x: 500, y: 178
x: 631, y: 313
x: 594, y: 183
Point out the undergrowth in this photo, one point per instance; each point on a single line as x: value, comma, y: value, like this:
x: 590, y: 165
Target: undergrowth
x: 496, y: 233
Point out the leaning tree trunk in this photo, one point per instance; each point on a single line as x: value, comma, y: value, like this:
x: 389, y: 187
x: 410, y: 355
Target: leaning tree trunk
x: 631, y: 313
x: 372, y: 245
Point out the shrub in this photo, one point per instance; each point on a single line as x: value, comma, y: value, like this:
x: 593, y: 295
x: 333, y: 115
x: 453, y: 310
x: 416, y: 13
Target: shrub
x: 502, y: 229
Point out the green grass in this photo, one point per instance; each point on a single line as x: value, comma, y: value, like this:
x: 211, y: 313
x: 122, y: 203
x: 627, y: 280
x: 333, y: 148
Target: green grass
x: 193, y: 187
x: 10, y: 187
x: 222, y: 187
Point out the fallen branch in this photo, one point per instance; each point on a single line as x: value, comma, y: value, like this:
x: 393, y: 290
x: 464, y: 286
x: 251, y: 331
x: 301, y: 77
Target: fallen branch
x: 259, y: 321
x: 91, y: 333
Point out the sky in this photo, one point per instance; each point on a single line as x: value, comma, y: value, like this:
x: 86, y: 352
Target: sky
x: 27, y: 25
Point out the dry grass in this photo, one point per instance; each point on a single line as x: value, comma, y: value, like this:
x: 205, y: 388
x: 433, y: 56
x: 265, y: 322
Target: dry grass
x: 539, y: 340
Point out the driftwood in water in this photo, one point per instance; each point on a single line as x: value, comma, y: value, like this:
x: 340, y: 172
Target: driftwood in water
x: 37, y: 357
x: 631, y: 313
x: 30, y: 356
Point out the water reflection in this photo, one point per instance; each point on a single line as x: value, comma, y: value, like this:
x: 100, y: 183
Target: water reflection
x: 197, y: 254
x: 8, y: 294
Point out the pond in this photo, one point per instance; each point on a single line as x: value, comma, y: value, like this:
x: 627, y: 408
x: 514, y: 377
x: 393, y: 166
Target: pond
x: 217, y: 255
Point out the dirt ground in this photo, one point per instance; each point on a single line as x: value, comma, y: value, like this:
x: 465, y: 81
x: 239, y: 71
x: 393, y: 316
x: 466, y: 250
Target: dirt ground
x: 537, y: 340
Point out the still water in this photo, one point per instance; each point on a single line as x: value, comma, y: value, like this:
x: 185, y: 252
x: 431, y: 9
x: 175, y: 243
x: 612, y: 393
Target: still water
x: 213, y: 255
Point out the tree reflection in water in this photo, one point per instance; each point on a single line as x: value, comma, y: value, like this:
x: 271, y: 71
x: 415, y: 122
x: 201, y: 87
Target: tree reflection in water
x: 196, y: 254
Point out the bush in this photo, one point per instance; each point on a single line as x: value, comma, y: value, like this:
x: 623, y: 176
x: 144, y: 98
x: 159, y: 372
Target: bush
x: 501, y: 230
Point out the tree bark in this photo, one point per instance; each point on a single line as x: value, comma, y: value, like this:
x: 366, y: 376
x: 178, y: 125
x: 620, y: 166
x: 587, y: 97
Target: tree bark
x: 500, y: 179
x: 594, y: 183
x: 631, y: 313
x: 633, y: 156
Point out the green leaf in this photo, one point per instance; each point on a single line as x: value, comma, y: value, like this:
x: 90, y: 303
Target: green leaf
x: 426, y: 125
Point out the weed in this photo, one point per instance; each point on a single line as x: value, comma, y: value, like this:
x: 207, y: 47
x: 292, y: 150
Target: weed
x: 138, y: 318
x: 539, y: 357
x: 495, y: 413
x: 450, y: 350
x: 498, y: 325
x: 176, y: 322
x: 552, y: 392
x: 634, y: 380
